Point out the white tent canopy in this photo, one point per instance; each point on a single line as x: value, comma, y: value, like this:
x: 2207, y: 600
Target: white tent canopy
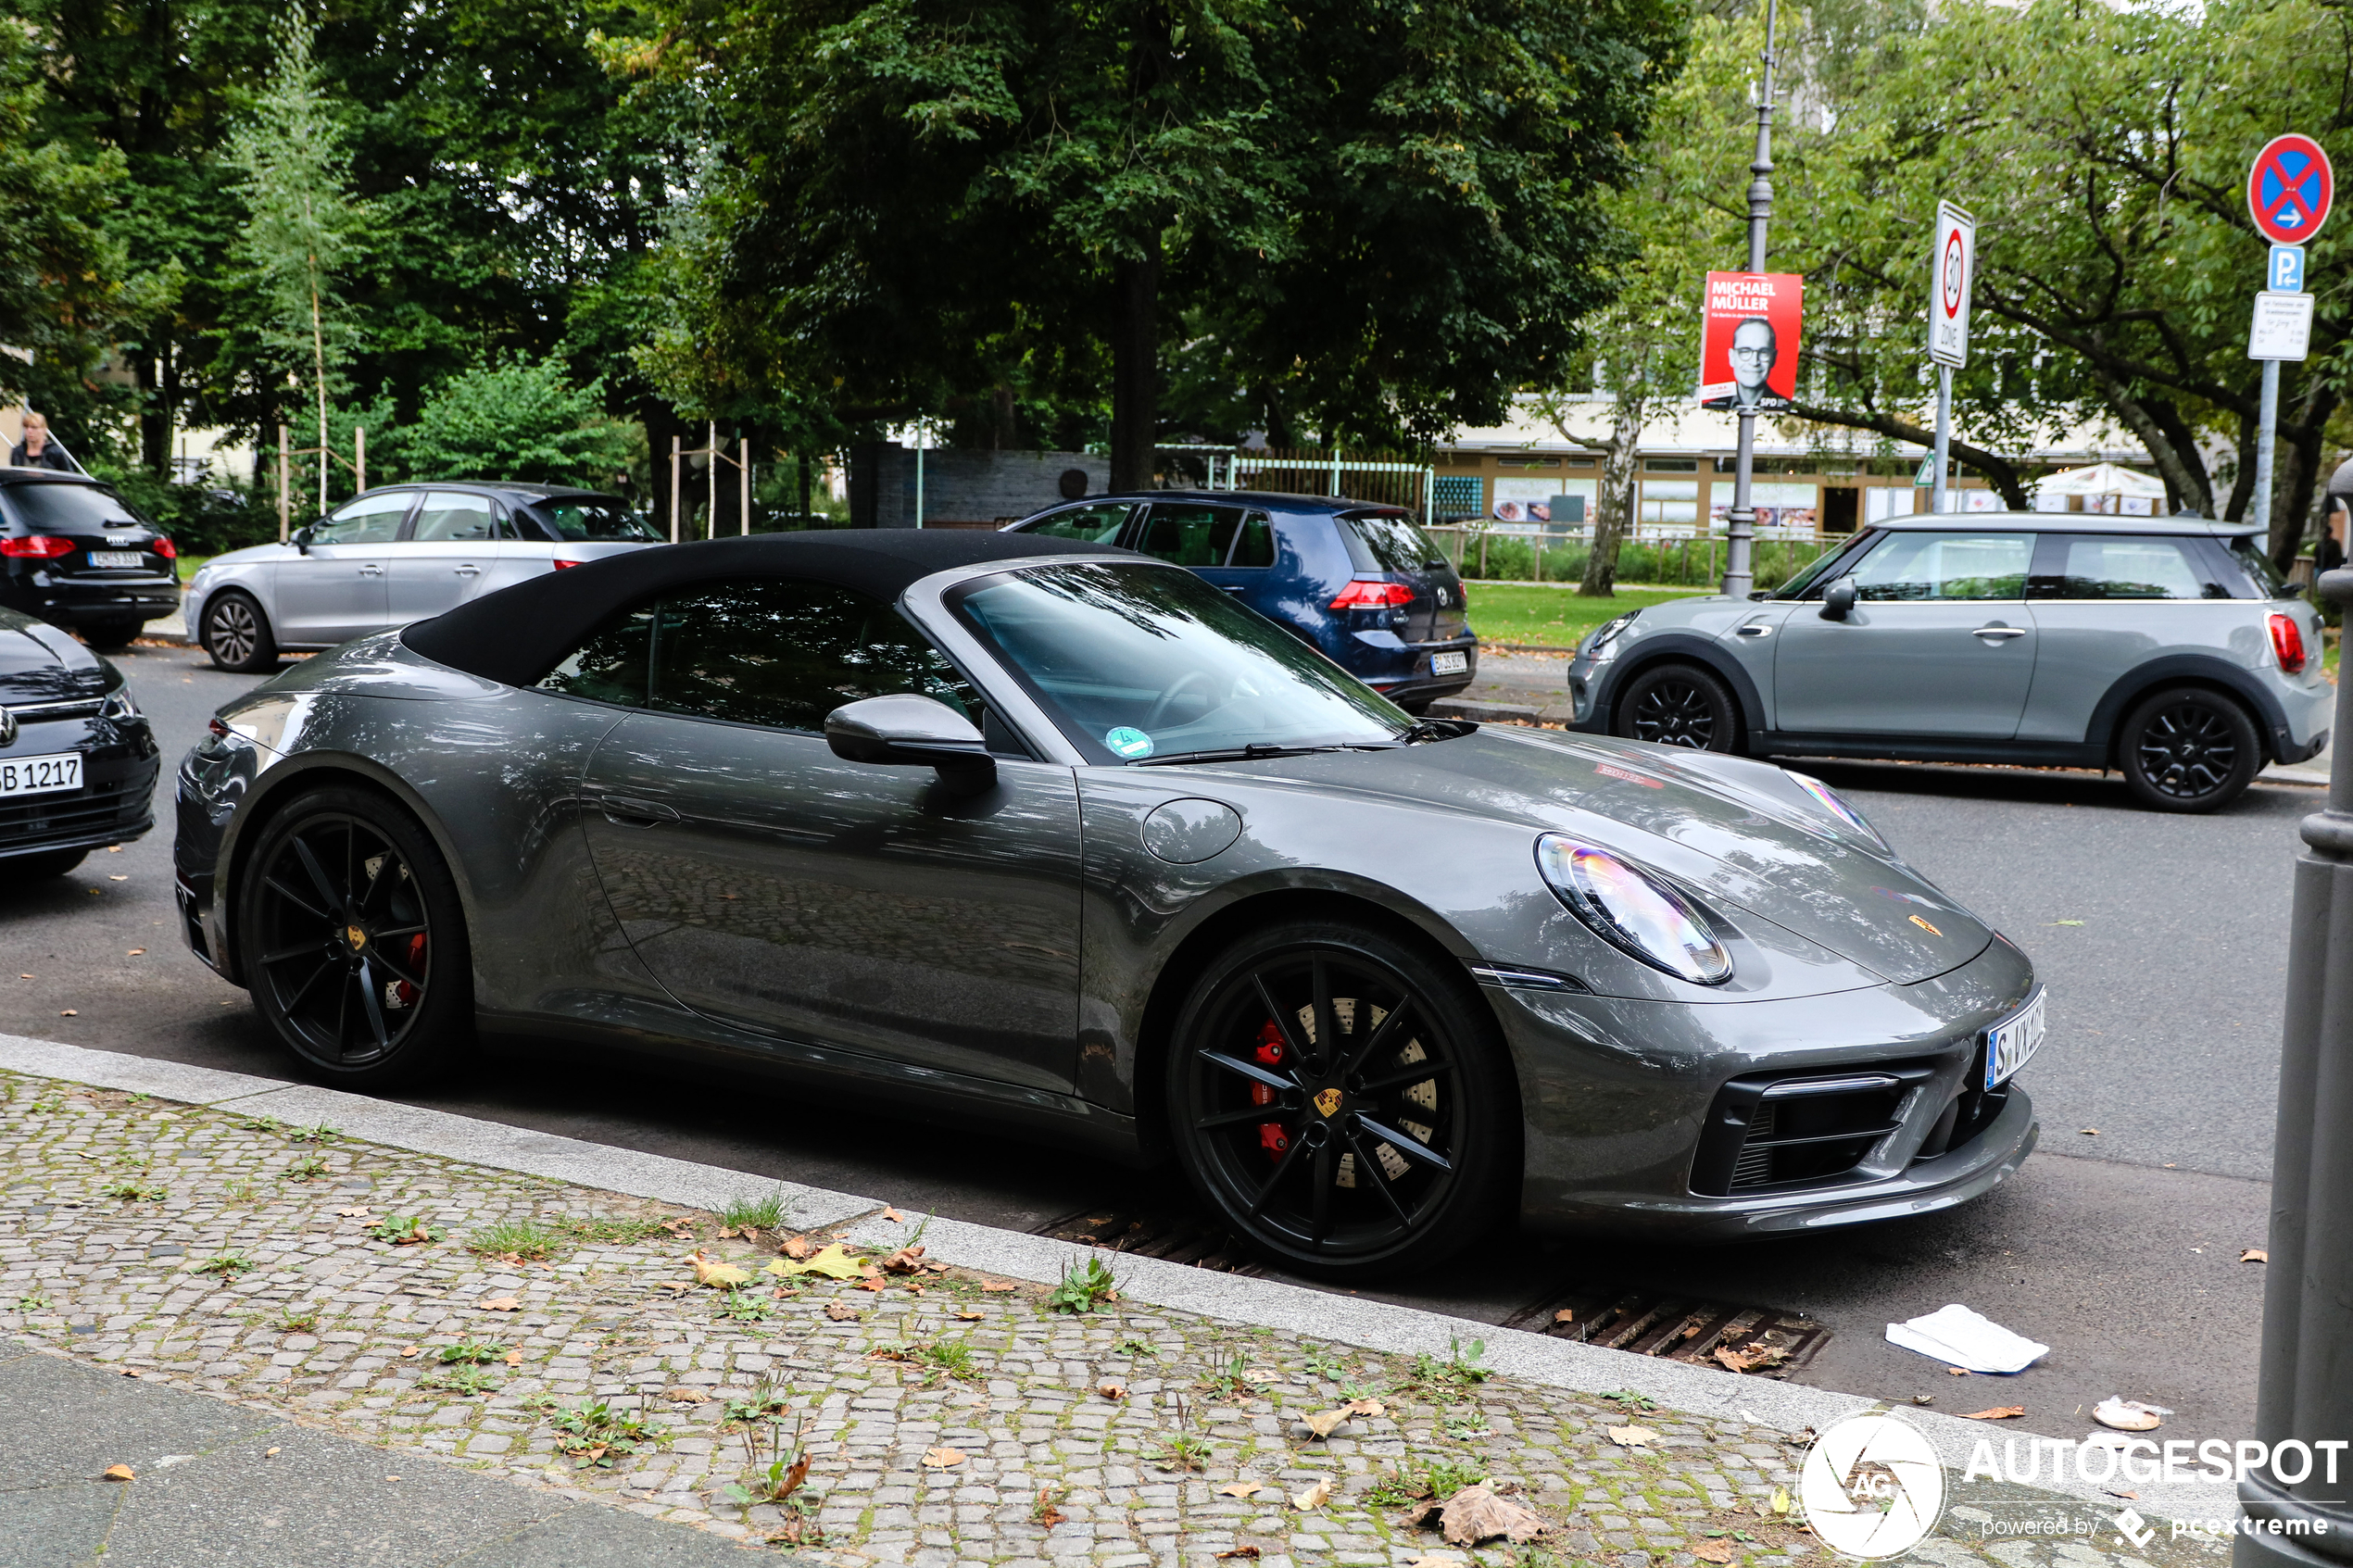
x: 2101, y: 479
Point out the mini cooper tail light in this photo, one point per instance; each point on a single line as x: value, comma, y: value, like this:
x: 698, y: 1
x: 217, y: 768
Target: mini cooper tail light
x: 2288, y: 641
x: 1371, y: 593
x: 37, y: 546
x: 1633, y: 911
x: 165, y: 548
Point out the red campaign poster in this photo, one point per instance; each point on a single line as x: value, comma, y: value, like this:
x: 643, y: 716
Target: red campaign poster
x: 1748, y: 340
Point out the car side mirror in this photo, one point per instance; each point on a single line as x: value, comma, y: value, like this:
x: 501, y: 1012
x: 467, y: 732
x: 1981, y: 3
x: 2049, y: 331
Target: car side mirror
x: 300, y: 540
x: 1838, y: 600
x: 909, y: 729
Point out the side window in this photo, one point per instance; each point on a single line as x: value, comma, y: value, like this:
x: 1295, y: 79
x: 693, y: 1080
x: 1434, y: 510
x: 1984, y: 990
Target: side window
x: 1189, y: 534
x: 1256, y: 545
x: 450, y: 515
x: 2123, y: 566
x: 1945, y: 565
x: 1097, y: 524
x: 613, y: 665
x: 371, y: 520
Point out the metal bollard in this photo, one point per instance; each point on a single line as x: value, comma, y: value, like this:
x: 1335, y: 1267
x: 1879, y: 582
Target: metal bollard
x: 2305, y: 1390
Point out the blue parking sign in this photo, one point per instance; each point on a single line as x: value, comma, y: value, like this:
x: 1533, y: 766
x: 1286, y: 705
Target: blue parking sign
x: 2287, y: 269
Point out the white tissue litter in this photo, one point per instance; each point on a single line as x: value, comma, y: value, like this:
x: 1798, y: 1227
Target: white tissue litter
x: 1959, y: 1337
x: 2129, y: 1415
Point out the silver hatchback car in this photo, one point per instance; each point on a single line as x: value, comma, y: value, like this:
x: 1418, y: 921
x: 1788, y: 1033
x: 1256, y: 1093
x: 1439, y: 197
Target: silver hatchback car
x: 2167, y: 648
x: 396, y: 553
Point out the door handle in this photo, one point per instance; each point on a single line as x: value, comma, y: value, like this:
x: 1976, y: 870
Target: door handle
x: 467, y: 571
x: 370, y: 568
x: 635, y: 813
x: 2001, y: 632
x: 1752, y: 630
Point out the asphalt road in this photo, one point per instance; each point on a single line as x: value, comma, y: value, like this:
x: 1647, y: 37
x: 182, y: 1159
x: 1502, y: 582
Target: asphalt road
x: 2163, y: 941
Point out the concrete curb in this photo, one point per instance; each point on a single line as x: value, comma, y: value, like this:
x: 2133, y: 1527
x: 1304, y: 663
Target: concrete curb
x: 1286, y: 1309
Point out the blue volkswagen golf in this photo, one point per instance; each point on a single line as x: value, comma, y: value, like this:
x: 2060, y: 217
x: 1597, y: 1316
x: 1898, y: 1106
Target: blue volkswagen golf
x: 1359, y: 581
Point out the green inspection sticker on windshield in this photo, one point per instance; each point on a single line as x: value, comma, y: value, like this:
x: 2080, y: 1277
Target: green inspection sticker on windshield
x: 1128, y: 743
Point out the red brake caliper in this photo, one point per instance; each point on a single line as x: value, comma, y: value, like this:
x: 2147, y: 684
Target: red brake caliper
x: 401, y: 989
x: 1272, y: 1135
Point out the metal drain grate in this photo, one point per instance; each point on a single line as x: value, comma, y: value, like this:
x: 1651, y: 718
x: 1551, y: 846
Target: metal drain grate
x: 1680, y: 1328
x: 1179, y: 1238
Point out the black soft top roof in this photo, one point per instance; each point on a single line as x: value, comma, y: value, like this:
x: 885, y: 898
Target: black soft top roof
x: 518, y: 634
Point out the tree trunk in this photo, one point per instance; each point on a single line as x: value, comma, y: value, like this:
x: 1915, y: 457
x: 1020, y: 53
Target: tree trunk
x: 2297, y: 475
x: 662, y: 422
x: 806, y: 495
x: 2243, y: 488
x: 1135, y: 369
x: 155, y: 416
x: 2184, y: 475
x: 1613, y: 517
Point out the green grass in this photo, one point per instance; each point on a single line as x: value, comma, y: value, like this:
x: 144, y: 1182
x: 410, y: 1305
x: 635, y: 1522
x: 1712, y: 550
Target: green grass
x: 763, y: 1213
x: 1549, y: 617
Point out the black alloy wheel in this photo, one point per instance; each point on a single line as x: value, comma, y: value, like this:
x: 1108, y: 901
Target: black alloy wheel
x: 353, y: 941
x: 1678, y: 705
x: 236, y: 634
x: 2188, y: 749
x: 1342, y: 1100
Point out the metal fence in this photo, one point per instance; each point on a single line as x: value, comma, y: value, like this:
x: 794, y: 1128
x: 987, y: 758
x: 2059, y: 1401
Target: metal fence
x: 1381, y: 479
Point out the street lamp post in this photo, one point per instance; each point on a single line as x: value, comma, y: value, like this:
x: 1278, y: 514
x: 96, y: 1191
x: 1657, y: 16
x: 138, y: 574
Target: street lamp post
x: 1741, y: 522
x: 2303, y: 1393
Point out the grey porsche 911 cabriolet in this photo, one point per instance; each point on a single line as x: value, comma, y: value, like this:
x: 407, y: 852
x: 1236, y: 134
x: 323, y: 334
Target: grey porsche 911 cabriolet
x: 995, y: 826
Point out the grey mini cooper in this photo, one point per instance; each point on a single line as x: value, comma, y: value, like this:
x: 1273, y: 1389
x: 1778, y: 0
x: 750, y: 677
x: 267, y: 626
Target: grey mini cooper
x: 2167, y: 648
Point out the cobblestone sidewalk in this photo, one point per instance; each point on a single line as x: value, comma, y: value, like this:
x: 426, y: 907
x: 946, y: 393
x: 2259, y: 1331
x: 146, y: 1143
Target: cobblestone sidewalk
x: 679, y: 1365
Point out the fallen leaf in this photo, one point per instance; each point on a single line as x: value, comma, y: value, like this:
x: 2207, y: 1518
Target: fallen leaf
x: 1313, y: 1498
x: 1957, y: 1371
x: 408, y: 1350
x: 115, y: 878
x: 1631, y: 1437
x: 2129, y: 1415
x: 717, y: 1276
x: 1261, y: 1374
x: 842, y: 1311
x: 392, y: 1477
x: 1241, y: 1551
x: 873, y: 1282
x: 119, y: 1472
x: 1999, y: 1413
x: 942, y: 1459
x: 1366, y: 1407
x: 993, y: 1286
x: 357, y: 1212
x: 728, y: 1233
x: 1714, y: 1552
x: 1112, y: 1390
x: 1749, y: 1358
x: 1323, y: 1422
x: 833, y: 1263
x: 2089, y: 1132
x: 68, y: 1012
x: 1436, y: 1562
x: 1476, y: 1514
x: 513, y: 1358
x: 1048, y: 1515
x: 2255, y: 1255
x: 1565, y: 1315
x: 1780, y: 1500
x: 269, y: 1453
x: 894, y: 1216
x: 906, y: 1260
x: 501, y: 1304
x: 686, y: 1396
x: 2133, y: 1497
x: 681, y: 1285
x: 798, y: 1247
x: 678, y: 1226
x: 968, y: 1315
x: 136, y: 952
x: 1244, y: 1488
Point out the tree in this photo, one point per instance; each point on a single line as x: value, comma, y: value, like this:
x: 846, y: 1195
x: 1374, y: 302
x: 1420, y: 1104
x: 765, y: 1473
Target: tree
x: 520, y: 421
x: 1384, y: 215
x: 300, y: 222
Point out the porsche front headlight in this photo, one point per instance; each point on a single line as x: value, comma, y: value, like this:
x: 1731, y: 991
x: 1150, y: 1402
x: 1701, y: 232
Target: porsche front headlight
x: 1828, y: 799
x: 1633, y: 911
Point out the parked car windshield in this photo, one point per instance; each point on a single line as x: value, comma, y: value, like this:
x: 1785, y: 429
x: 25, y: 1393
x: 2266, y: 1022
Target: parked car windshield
x: 1822, y: 569
x: 1386, y: 542
x: 68, y: 508
x: 590, y: 521
x: 1142, y: 663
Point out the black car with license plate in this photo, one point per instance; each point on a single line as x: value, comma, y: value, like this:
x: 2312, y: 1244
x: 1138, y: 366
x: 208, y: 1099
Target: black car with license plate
x: 77, y: 759
x: 74, y: 554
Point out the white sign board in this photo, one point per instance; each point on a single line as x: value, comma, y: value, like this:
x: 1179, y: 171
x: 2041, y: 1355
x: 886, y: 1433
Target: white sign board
x: 1951, y: 273
x: 2283, y: 327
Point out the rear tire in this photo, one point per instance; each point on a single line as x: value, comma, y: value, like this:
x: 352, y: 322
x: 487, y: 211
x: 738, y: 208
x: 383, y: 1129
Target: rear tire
x: 1394, y: 1153
x: 236, y: 634
x: 110, y: 636
x: 2187, y: 749
x: 1678, y: 705
x: 57, y: 862
x: 354, y: 941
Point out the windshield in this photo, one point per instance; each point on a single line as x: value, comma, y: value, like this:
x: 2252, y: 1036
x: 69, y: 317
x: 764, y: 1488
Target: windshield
x: 593, y: 519
x: 68, y: 508
x: 1822, y: 570
x: 1139, y: 663
x: 1386, y: 542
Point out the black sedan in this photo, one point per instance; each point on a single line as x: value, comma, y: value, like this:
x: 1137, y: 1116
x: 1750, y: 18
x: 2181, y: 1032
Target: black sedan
x: 77, y: 761
x: 72, y: 553
x: 988, y: 825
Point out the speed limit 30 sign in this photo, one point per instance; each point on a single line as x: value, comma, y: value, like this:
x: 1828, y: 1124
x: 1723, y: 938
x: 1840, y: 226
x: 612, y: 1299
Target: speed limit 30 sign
x: 1951, y: 272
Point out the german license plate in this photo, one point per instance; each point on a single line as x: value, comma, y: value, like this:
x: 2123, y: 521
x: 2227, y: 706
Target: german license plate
x: 133, y: 559
x: 2009, y: 1043
x: 39, y: 775
x: 1449, y: 663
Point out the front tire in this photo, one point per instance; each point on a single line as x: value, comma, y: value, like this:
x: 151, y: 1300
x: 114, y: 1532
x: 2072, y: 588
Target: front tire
x: 2187, y: 749
x: 354, y: 941
x: 1678, y: 705
x: 236, y: 634
x: 1342, y: 1100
